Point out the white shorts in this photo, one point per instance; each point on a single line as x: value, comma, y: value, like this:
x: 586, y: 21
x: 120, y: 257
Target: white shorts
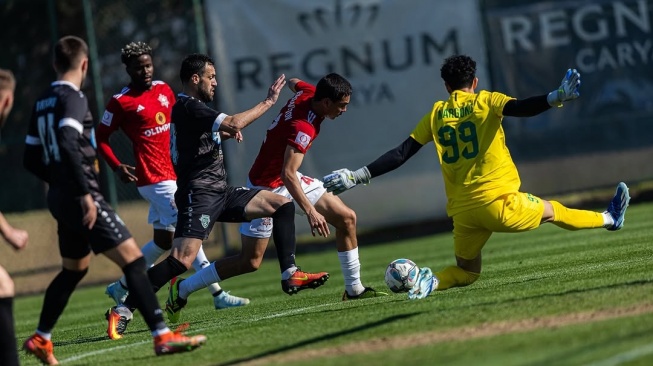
x: 262, y: 228
x: 163, y: 211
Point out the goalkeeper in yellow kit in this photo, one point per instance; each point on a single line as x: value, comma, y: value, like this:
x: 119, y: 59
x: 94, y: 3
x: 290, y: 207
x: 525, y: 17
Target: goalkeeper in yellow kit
x: 480, y: 178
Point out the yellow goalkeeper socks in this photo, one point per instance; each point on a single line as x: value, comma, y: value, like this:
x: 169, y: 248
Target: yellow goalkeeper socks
x: 454, y: 276
x: 572, y: 219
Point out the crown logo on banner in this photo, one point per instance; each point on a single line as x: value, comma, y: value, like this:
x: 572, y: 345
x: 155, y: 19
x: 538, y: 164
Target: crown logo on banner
x: 323, y: 19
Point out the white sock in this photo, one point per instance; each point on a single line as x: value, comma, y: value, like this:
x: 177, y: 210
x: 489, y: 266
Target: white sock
x: 351, y: 270
x: 288, y: 273
x: 151, y: 252
x: 607, y: 219
x: 201, y: 279
x: 200, y: 262
x: 45, y: 335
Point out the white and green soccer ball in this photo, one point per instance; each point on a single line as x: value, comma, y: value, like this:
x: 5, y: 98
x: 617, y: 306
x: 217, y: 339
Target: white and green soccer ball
x: 401, y: 275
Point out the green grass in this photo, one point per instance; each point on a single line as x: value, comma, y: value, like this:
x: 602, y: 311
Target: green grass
x: 546, y: 297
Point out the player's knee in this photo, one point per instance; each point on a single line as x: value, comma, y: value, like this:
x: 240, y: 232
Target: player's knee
x: 347, y: 220
x: 73, y: 276
x: 251, y: 265
x: 284, y: 207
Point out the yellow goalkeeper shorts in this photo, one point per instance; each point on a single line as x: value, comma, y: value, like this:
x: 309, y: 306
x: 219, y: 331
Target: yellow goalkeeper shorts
x: 510, y: 213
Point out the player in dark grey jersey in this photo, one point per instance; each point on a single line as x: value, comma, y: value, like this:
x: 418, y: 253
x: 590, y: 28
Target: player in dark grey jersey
x: 203, y: 196
x: 61, y: 151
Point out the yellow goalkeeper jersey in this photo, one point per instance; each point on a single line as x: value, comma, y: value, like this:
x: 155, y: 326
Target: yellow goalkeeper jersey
x: 470, y: 142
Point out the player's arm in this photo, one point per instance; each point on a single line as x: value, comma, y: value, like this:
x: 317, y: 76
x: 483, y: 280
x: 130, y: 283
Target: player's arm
x: 17, y: 238
x: 70, y: 152
x: 110, y: 122
x: 33, y: 153
x: 292, y: 161
x: 344, y: 179
x: 68, y: 135
x: 568, y: 90
x: 235, y: 123
x: 526, y: 107
x: 226, y: 136
x: 292, y: 84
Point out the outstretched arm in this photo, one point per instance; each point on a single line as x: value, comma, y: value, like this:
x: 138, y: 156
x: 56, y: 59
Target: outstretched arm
x: 526, y: 107
x: 568, y: 90
x: 344, y: 179
x: 235, y: 123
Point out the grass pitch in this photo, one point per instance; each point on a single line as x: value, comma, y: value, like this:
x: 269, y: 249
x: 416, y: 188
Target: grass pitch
x: 546, y: 297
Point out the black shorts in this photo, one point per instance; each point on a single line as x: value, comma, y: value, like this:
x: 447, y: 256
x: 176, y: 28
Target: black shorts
x: 75, y: 240
x: 200, y: 208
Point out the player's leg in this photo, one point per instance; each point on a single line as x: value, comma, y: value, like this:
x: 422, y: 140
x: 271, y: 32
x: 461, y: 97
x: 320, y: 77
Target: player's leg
x: 221, y: 299
x: 343, y: 219
x: 573, y: 219
x: 282, y: 211
x: 162, y: 216
x: 128, y: 256
x: 75, y: 253
x: 515, y: 212
x: 469, y: 238
x: 111, y: 238
x: 248, y: 260
x: 56, y: 298
x: 8, y: 353
x: 198, y: 210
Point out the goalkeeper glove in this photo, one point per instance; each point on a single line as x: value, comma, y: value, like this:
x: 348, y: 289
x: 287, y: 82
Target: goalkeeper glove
x: 425, y: 284
x: 343, y: 179
x: 567, y: 91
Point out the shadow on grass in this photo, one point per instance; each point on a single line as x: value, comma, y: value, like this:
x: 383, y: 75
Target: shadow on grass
x: 81, y: 341
x: 102, y: 338
x: 319, y: 339
x: 560, y: 293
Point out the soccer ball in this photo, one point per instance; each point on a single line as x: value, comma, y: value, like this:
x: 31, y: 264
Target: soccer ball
x: 401, y: 275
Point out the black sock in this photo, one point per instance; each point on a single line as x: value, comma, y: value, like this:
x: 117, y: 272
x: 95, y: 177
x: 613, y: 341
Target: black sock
x: 159, y: 275
x: 8, y: 349
x: 56, y: 297
x: 218, y: 293
x: 141, y: 294
x: 283, y: 233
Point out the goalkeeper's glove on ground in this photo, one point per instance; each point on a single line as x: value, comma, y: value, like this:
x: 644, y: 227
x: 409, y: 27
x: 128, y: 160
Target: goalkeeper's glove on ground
x: 567, y: 91
x: 425, y: 284
x: 343, y: 179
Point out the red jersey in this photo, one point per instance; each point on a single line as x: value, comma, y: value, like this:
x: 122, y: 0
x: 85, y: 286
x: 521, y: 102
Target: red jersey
x: 144, y: 116
x: 297, y: 126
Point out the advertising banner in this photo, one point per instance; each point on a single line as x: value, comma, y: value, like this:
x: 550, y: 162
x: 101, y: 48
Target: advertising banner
x: 532, y: 43
x: 391, y: 52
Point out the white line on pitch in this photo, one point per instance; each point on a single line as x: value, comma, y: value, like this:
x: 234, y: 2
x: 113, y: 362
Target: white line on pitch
x: 134, y: 344
x: 627, y: 356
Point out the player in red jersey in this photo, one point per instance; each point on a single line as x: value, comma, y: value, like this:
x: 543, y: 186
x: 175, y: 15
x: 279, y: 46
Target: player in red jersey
x: 275, y: 169
x: 142, y: 110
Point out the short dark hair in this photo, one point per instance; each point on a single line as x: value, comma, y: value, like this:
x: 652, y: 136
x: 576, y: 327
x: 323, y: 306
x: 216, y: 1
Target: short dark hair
x: 332, y: 86
x: 194, y: 64
x: 68, y: 53
x: 458, y: 71
x: 7, y: 80
x: 134, y: 50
